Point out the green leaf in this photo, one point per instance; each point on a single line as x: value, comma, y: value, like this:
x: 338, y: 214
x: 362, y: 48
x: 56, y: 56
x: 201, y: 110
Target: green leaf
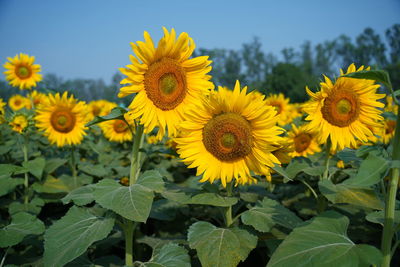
x: 9, y: 169
x: 379, y: 217
x: 94, y: 170
x: 132, y: 202
x: 315, y: 170
x: 116, y: 113
x: 267, y: 213
x: 80, y: 196
x: 170, y: 255
x: 53, y: 164
x: 22, y: 224
x: 396, y: 93
x: 369, y: 173
x: 323, y: 241
x: 377, y: 75
x: 342, y: 193
x: 35, y: 166
x: 51, y: 185
x: 296, y: 166
x: 34, y: 207
x: 152, y: 180
x: 220, y: 247
x: 7, y: 184
x: 164, y: 210
x: 282, y: 172
x: 70, y: 237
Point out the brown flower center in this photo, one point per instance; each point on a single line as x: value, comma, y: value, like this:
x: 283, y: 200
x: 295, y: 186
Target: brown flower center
x: 17, y: 102
x: 277, y: 106
x: 165, y: 84
x: 390, y: 126
x: 23, y: 72
x: 120, y: 126
x: 341, y: 108
x: 228, y: 137
x: 302, y: 142
x: 63, y: 121
x: 96, y: 110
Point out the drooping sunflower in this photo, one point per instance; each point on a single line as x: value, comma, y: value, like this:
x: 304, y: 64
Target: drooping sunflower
x: 344, y: 110
x: 116, y: 130
x: 285, y: 111
x: 166, y: 80
x: 100, y: 108
x: 21, y: 72
x: 17, y: 102
x: 62, y: 119
x: 228, y: 135
x: 19, y: 123
x: 303, y: 141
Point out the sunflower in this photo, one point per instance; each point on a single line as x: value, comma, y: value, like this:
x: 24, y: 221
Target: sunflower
x: 343, y: 111
x: 286, y: 111
x: 2, y: 110
x: 387, y: 132
x: 36, y: 98
x: 21, y: 72
x: 116, y: 130
x: 391, y: 105
x: 17, y: 102
x: 282, y: 153
x: 19, y: 123
x: 165, y: 80
x: 303, y: 141
x: 229, y: 134
x: 100, y: 108
x: 62, y: 119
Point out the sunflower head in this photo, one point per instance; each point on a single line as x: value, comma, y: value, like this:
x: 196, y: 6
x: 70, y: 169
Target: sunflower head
x: 166, y: 80
x: 388, y: 131
x: 62, y: 119
x: 2, y: 110
x: 303, y: 141
x: 36, y: 98
x: 286, y: 112
x: 391, y: 105
x: 344, y: 110
x: 100, y: 108
x: 116, y: 130
x: 229, y: 134
x: 17, y: 102
x: 21, y: 72
x: 19, y: 123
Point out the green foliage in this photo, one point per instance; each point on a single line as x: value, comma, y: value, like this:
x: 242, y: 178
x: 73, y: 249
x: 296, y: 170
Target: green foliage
x: 377, y: 75
x: 116, y: 113
x: 268, y: 213
x: 22, y: 224
x: 80, y: 196
x: 220, y: 247
x: 7, y: 184
x: 169, y: 255
x: 35, y: 166
x: 71, y: 236
x: 323, y: 241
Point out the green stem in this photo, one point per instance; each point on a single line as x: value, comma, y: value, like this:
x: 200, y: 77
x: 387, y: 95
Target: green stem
x: 388, y: 232
x: 26, y: 181
x: 129, y: 228
x: 328, y: 148
x: 228, y: 210
x: 73, y: 167
x: 135, y: 160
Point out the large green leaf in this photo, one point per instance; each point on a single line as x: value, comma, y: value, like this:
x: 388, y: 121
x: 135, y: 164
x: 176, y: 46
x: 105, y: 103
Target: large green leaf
x: 9, y: 169
x: 116, y: 113
x: 377, y: 75
x: 267, y: 213
x: 33, y: 207
x: 132, y: 202
x: 71, y: 236
x: 53, y: 164
x: 80, y: 196
x: 7, y: 184
x: 94, y: 170
x: 152, y: 180
x: 22, y: 224
x: 343, y: 193
x: 323, y: 241
x: 170, y: 255
x: 379, y: 217
x: 220, y: 247
x: 370, y: 172
x: 51, y: 185
x: 35, y: 166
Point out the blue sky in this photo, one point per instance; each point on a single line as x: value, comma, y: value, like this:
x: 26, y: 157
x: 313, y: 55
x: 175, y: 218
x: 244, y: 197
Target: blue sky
x: 90, y: 38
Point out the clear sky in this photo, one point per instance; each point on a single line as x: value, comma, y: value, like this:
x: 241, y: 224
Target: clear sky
x: 90, y: 38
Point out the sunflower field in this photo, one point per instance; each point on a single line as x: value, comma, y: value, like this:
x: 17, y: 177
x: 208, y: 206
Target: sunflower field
x: 189, y: 174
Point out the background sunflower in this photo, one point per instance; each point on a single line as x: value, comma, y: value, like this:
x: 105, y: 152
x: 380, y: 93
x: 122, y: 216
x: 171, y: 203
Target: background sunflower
x: 21, y: 72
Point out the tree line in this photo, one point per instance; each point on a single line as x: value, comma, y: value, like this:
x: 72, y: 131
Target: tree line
x: 288, y: 73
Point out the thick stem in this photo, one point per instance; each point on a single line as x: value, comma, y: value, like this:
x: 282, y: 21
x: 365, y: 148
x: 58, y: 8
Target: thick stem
x: 387, y: 234
x: 328, y: 148
x: 129, y: 228
x: 26, y: 181
x: 228, y: 210
x: 135, y: 160
x: 73, y: 167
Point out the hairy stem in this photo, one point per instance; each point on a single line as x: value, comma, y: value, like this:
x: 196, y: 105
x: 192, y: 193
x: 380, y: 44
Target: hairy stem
x: 135, y: 160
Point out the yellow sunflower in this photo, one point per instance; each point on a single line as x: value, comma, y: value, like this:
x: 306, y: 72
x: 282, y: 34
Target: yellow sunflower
x: 2, y: 110
x: 36, y: 98
x: 17, y: 102
x: 62, y: 119
x: 286, y: 111
x: 100, y: 108
x: 387, y: 132
x: 21, y: 72
x: 166, y: 80
x: 19, y: 123
x: 229, y: 134
x: 303, y: 141
x: 116, y: 130
x: 282, y: 153
x: 343, y: 111
x: 390, y: 105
